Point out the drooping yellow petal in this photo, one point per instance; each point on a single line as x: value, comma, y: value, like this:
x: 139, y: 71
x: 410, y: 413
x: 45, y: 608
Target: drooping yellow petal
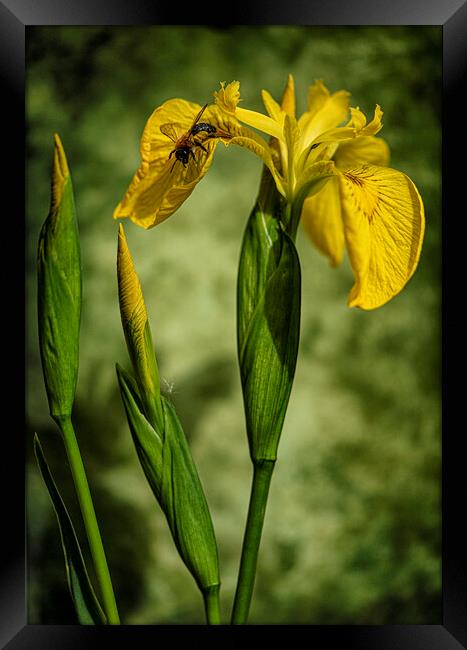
x: 360, y: 151
x: 322, y: 220
x: 162, y: 183
x: 384, y: 224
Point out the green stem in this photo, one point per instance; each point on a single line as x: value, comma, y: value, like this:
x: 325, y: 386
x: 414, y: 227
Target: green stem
x: 89, y: 517
x: 212, y: 605
x: 246, y: 577
x: 295, y: 214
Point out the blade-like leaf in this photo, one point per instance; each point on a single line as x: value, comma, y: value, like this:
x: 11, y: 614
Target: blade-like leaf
x: 268, y: 294
x: 185, y: 504
x: 87, y: 606
x: 147, y: 441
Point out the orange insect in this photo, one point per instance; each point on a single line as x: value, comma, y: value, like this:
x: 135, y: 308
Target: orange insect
x: 186, y: 144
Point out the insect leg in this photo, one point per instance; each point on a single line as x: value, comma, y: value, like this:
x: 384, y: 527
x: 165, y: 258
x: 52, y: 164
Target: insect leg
x: 198, y: 144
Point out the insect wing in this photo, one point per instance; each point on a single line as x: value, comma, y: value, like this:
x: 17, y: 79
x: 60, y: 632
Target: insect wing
x: 198, y: 117
x: 172, y: 131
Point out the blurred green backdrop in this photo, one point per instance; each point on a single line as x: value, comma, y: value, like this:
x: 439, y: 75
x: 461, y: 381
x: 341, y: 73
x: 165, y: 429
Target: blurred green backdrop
x: 352, y: 533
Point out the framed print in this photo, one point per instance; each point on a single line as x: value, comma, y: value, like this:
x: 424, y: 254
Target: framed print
x: 236, y: 397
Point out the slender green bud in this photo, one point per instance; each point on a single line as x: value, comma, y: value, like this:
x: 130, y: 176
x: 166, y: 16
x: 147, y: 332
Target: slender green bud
x: 59, y: 290
x: 268, y: 324
x: 137, y: 332
x: 167, y: 462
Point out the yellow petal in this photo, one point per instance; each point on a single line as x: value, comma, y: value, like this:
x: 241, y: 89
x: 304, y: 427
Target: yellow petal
x: 291, y: 135
x: 384, y: 224
x: 278, y: 113
x: 60, y: 173
x: 274, y: 109
x: 261, y: 122
x: 367, y: 149
x: 373, y: 127
x: 357, y: 127
x: 228, y: 96
x: 288, y: 97
x: 132, y: 306
x: 321, y: 218
x: 313, y: 178
x: 325, y: 112
x: 159, y: 186
x: 227, y: 99
x: 318, y: 95
x: 359, y: 121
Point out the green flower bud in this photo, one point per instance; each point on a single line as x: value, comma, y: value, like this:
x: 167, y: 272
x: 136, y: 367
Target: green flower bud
x: 268, y: 301
x: 59, y: 290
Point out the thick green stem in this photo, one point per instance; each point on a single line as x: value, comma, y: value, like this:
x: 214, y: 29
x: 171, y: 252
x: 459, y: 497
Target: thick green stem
x: 90, y: 521
x: 254, y: 526
x: 212, y: 605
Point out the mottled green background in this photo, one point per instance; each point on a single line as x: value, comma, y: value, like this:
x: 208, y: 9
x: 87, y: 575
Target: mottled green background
x: 352, y: 534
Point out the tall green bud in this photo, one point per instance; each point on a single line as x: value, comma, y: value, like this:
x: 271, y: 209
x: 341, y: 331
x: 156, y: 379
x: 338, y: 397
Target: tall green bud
x: 59, y: 290
x: 159, y: 439
x: 268, y: 308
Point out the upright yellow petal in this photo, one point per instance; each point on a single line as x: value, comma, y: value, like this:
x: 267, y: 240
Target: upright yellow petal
x: 357, y: 118
x: 373, y: 127
x: 325, y: 112
x: 322, y: 220
x: 384, y: 224
x: 318, y: 95
x: 274, y: 109
x: 228, y: 97
x: 288, y: 97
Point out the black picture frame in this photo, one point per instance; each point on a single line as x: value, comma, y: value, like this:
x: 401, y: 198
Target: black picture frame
x: 15, y: 17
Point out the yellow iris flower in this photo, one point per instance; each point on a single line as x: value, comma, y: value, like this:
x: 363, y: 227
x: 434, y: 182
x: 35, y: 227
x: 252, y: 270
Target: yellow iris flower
x: 332, y: 174
x: 336, y: 180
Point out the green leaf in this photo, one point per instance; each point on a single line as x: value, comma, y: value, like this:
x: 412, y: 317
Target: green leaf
x: 87, y: 606
x: 59, y: 290
x: 148, y: 443
x: 268, y: 302
x: 170, y: 470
